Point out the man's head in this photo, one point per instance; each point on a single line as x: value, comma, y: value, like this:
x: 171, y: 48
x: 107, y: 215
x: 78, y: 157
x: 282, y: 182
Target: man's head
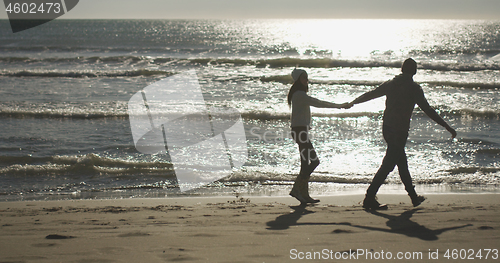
x: 409, y: 67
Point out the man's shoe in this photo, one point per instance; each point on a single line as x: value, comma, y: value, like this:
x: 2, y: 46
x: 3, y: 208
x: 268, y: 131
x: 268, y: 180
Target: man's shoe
x: 311, y: 200
x: 416, y: 201
x: 372, y: 204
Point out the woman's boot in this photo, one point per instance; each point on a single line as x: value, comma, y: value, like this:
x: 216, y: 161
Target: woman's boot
x: 296, y: 192
x: 304, y: 190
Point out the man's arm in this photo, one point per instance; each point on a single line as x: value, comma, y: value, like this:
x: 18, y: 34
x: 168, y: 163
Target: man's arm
x: 370, y: 95
x: 424, y: 105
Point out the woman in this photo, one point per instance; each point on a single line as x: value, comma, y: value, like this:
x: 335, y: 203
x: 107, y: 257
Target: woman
x: 300, y: 103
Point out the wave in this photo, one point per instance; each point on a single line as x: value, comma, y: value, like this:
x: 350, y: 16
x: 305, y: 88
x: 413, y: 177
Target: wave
x: 489, y: 151
x: 477, y: 142
x: 325, y: 63
x: 287, y: 79
x: 127, y: 60
x: 267, y: 62
x: 90, y: 164
x: 21, y: 114
x: 489, y: 52
x: 94, y: 165
x: 100, y: 167
x: 82, y: 49
x: 465, y: 85
x: 59, y: 110
x: 343, y: 63
x: 473, y: 170
x: 83, y: 74
x: 90, y: 60
x: 482, y: 114
x: 464, y: 175
x: 86, y: 112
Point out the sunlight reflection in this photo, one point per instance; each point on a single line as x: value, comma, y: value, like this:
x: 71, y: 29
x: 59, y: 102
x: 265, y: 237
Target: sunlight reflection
x: 350, y: 38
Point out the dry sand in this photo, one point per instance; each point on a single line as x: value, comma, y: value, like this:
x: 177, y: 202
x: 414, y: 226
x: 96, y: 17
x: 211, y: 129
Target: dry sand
x: 250, y: 229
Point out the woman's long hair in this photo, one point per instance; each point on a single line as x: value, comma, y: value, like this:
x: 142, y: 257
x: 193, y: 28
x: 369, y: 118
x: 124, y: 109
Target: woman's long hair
x: 296, y: 87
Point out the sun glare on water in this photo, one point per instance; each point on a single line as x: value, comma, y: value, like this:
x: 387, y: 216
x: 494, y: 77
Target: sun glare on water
x: 349, y: 39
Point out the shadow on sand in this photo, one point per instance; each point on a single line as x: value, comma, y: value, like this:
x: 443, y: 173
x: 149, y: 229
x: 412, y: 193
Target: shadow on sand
x: 400, y: 224
x: 283, y: 222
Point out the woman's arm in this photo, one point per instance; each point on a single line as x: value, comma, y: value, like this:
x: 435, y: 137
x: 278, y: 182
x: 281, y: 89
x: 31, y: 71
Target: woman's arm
x: 324, y: 104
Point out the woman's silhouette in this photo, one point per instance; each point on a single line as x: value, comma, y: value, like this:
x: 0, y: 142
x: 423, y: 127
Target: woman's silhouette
x: 300, y: 103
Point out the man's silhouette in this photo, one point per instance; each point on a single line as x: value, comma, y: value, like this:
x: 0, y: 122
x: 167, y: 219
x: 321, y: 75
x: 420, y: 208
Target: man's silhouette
x: 402, y: 93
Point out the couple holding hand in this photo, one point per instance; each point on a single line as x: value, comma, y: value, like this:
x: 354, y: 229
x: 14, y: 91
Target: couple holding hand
x: 401, y: 92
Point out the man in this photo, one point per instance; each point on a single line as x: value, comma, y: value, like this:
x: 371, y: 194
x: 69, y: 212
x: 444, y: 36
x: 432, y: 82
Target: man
x: 402, y: 93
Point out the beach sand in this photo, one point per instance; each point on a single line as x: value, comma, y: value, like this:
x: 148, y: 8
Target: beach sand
x: 250, y: 229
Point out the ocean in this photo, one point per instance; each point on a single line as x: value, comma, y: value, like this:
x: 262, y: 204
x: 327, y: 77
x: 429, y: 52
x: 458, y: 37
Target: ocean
x: 65, y: 88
